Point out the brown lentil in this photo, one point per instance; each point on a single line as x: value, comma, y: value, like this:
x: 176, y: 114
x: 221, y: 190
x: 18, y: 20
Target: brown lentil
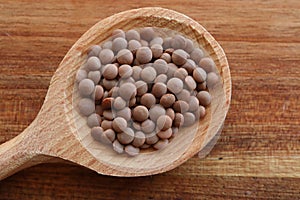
x: 107, y: 45
x: 118, y: 147
x: 118, y: 44
x: 99, y: 110
x: 167, y: 100
x: 179, y: 57
x: 178, y: 120
x: 148, y: 74
x: 113, y: 92
x: 119, y: 124
x: 147, y: 33
x: 175, y: 85
x: 189, y: 119
x: 108, y: 114
x: 184, y: 95
x: 141, y: 88
x: 160, y: 66
x: 127, y: 91
x: 144, y: 43
x: 171, y: 70
x: 174, y: 131
x: 94, y: 76
x: 139, y: 139
x: 140, y: 113
x: 178, y: 42
x: 109, y: 84
x: 126, y: 136
x: 125, y: 56
x: 86, y: 87
x: 108, y: 136
x: 136, y: 71
x: 125, y: 71
x: 166, y: 57
x: 207, y: 64
x: 181, y: 73
x: 156, y: 111
x: 189, y: 46
x: 164, y: 122
x: 190, y: 82
x: 117, y: 33
x: 170, y: 112
x: 157, y: 50
x: 131, y: 150
x: 162, y: 78
x: 93, y: 120
x: 136, y: 126
x: 106, y: 56
x: 133, y: 46
x: 148, y: 100
x: 202, y: 111
x: 156, y: 40
x: 144, y: 55
x: 212, y: 79
x: 190, y: 65
x: 193, y: 104
x: 167, y: 43
x: 199, y: 75
x: 161, y: 144
x: 110, y: 71
x: 148, y: 126
x: 96, y: 133
x: 165, y: 134
x: 151, y: 138
x: 125, y: 113
x: 196, y: 55
x: 119, y: 103
x: 107, y: 103
x: 159, y: 89
x: 201, y: 86
x: 93, y: 63
x: 80, y: 75
x: 86, y: 106
x: 180, y: 106
x: 204, y: 98
x: 132, y: 102
x: 94, y: 50
x: 132, y: 35
x: 126, y: 80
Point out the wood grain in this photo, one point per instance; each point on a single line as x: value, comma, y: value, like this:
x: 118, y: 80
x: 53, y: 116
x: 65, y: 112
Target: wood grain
x: 261, y: 42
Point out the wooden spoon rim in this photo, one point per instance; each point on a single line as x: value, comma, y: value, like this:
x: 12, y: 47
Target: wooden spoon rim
x: 91, y: 37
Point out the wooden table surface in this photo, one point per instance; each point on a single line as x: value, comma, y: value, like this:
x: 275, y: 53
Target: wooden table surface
x: 258, y: 153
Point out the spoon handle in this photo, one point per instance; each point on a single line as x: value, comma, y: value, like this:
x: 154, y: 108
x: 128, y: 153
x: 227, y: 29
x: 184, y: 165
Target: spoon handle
x: 17, y: 154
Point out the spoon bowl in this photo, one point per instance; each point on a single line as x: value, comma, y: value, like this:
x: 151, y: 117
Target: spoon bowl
x: 59, y: 131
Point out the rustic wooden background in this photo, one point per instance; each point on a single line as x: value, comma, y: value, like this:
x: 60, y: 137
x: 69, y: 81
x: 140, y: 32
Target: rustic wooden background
x: 258, y: 153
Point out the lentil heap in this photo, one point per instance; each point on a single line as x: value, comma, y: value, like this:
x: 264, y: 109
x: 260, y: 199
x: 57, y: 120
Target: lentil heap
x: 139, y: 87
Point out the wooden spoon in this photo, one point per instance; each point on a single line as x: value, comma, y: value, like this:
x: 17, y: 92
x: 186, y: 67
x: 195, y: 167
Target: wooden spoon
x: 59, y: 131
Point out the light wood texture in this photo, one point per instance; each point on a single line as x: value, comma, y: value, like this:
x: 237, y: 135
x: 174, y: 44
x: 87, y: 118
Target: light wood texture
x: 60, y: 132
x: 261, y: 131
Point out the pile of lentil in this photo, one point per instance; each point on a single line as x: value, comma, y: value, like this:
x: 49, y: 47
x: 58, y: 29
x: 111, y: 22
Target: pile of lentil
x: 138, y: 88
